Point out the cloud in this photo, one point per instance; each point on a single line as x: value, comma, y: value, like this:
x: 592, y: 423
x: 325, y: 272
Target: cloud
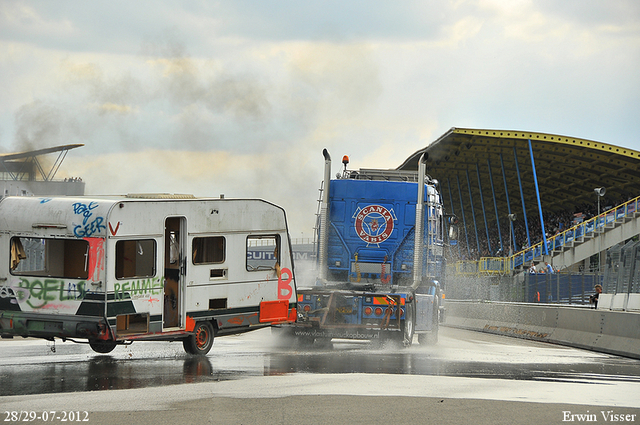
x: 21, y: 20
x: 38, y: 126
x: 285, y: 178
x: 240, y: 98
x: 109, y: 107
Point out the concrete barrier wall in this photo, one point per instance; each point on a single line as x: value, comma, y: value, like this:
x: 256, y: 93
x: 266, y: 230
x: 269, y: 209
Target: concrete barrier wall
x: 621, y: 302
x: 613, y: 332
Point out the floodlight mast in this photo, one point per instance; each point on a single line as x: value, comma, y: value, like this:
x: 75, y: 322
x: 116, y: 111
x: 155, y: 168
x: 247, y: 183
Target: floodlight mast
x: 600, y: 191
x: 512, y: 218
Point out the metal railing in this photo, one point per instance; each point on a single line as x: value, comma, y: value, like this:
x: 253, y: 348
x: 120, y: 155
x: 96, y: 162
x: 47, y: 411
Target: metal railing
x: 559, y: 242
x: 577, y: 233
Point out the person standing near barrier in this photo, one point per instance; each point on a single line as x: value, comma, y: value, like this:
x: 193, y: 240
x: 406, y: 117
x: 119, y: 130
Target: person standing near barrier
x: 549, y: 268
x: 593, y: 299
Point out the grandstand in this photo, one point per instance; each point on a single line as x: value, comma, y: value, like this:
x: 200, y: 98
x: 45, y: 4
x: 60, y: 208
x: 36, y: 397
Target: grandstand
x: 546, y: 181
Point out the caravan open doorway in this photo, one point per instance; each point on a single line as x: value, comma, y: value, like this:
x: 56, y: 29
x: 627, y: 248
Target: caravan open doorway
x: 174, y: 270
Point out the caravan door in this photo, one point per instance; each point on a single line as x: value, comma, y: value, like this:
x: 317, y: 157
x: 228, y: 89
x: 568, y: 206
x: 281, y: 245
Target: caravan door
x: 175, y: 266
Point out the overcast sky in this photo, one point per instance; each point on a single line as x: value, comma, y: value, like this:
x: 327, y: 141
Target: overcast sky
x: 240, y: 97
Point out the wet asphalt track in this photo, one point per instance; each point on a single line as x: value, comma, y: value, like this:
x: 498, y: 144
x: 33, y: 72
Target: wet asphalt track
x: 469, y: 377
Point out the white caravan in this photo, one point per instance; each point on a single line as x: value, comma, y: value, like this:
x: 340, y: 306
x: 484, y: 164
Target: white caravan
x: 112, y: 270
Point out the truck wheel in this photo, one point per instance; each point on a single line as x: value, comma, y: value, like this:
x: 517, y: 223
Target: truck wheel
x: 409, y: 325
x: 102, y: 347
x: 201, y: 341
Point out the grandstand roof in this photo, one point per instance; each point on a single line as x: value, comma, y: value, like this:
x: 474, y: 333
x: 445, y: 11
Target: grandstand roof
x: 23, y: 165
x: 37, y: 152
x: 568, y: 170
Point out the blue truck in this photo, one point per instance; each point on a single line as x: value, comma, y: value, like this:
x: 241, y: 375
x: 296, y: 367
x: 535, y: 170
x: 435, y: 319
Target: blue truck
x: 380, y: 260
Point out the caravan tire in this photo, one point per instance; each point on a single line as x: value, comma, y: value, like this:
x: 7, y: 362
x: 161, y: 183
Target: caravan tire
x: 201, y: 341
x: 102, y: 347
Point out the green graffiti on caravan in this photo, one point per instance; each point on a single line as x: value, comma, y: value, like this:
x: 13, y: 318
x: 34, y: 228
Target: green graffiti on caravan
x: 138, y: 288
x: 38, y: 293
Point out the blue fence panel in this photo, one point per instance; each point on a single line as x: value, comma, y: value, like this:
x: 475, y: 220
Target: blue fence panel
x: 518, y: 260
x: 589, y: 226
x: 610, y: 217
x: 559, y: 288
x: 564, y: 285
x: 581, y: 287
x: 570, y: 235
x: 536, y: 288
x: 528, y: 255
x: 538, y: 251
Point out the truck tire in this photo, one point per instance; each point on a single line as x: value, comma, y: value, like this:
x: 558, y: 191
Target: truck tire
x: 201, y: 341
x: 102, y: 347
x: 409, y: 324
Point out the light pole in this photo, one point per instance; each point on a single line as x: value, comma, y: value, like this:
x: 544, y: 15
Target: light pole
x: 600, y: 191
x: 512, y: 218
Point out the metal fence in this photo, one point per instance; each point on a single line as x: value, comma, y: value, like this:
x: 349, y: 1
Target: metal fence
x: 622, y: 269
x: 562, y: 288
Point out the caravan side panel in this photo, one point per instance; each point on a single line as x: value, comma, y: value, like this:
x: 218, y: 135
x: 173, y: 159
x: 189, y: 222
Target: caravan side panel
x: 52, y: 267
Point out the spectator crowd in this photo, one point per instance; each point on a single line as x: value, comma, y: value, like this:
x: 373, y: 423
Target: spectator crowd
x: 554, y: 223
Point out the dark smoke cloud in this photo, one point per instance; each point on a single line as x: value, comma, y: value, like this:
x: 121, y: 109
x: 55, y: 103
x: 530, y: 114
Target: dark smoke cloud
x: 38, y: 125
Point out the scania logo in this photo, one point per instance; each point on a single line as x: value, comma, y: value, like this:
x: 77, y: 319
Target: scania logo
x: 374, y: 223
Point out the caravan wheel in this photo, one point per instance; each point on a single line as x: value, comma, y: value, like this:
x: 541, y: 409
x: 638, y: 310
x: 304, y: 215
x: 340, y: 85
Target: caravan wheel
x: 102, y: 347
x: 201, y: 341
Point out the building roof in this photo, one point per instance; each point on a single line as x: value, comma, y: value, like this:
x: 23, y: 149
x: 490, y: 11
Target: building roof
x: 37, y: 152
x: 23, y: 165
x: 568, y: 169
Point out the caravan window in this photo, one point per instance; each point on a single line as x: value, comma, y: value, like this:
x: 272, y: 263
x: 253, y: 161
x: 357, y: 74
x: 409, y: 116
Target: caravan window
x: 208, y: 250
x: 263, y: 252
x: 135, y: 258
x: 66, y: 258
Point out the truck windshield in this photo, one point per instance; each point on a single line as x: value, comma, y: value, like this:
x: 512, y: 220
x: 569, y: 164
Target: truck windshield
x: 68, y: 258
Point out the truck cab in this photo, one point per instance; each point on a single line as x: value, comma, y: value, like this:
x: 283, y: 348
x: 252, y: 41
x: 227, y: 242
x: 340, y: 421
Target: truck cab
x: 381, y: 263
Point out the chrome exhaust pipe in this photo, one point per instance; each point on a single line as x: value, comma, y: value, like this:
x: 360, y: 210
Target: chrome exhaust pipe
x: 419, y: 229
x: 323, y: 251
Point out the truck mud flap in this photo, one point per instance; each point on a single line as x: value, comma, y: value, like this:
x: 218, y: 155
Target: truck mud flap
x: 424, y: 312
